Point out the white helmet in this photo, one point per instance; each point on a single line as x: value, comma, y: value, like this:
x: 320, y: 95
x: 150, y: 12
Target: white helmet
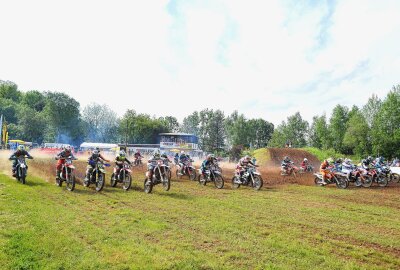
x: 122, y: 153
x: 21, y: 147
x: 305, y: 159
x: 182, y: 152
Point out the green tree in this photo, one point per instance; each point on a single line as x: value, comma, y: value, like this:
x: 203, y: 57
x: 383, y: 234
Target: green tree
x: 318, y: 133
x: 9, y: 90
x: 357, y: 138
x: 102, y: 123
x: 260, y: 132
x: 386, y: 125
x: 171, y: 123
x: 191, y: 124
x: 34, y: 100
x: 371, y: 109
x: 236, y: 129
x: 337, y: 126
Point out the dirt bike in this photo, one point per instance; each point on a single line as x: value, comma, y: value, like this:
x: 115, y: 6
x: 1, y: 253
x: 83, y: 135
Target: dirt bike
x: 67, y: 174
x: 124, y: 176
x: 352, y: 174
x: 371, y: 176
x: 160, y: 175
x: 21, y: 170
x: 307, y: 169
x: 138, y: 162
x: 384, y: 172
x: 331, y: 178
x: 251, y: 177
x: 395, y: 174
x: 290, y: 171
x: 211, y: 175
x: 97, y: 176
x: 188, y: 169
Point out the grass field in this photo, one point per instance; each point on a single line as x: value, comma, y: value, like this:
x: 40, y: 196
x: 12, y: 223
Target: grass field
x: 192, y: 227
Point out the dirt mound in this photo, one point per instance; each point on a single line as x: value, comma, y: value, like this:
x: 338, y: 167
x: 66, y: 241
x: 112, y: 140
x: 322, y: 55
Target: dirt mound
x: 296, y: 155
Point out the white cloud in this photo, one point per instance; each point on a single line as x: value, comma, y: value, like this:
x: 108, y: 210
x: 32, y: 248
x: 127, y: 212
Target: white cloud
x: 265, y: 58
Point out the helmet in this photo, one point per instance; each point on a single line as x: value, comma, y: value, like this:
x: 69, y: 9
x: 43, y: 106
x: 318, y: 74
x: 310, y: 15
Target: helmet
x: 122, y: 153
x: 182, y: 152
x: 247, y: 157
x: 21, y: 147
x: 96, y: 152
x: 210, y: 156
x: 347, y: 161
x: 330, y: 160
x: 97, y: 149
x: 369, y: 158
x: 286, y: 158
x: 67, y: 148
x: 305, y: 159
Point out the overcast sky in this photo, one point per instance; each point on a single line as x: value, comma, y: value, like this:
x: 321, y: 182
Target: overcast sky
x: 265, y: 59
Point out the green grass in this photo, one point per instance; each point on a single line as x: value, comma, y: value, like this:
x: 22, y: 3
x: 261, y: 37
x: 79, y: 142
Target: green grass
x: 323, y: 154
x: 262, y: 155
x: 43, y: 226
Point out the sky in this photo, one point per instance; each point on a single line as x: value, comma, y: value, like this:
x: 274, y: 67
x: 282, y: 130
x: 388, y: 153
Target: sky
x: 266, y: 59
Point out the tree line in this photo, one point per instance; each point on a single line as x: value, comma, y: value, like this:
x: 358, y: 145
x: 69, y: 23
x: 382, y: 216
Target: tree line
x: 56, y: 117
x: 371, y: 129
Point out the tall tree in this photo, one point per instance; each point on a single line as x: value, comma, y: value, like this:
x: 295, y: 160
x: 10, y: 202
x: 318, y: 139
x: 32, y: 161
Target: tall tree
x: 357, y: 138
x: 191, y: 124
x: 9, y: 90
x: 102, y: 123
x: 386, y: 125
x: 371, y: 109
x: 338, y: 126
x: 296, y: 130
x: 171, y: 123
x: 260, y: 132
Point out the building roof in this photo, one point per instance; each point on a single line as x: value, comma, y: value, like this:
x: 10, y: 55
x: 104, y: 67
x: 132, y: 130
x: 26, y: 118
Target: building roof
x: 177, y: 134
x: 100, y: 145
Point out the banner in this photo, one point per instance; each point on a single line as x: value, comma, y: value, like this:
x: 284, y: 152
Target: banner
x: 1, y: 130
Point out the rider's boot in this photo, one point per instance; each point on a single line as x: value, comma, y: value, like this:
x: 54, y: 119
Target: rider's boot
x: 58, y: 174
x: 323, y: 181
x: 14, y: 172
x: 238, y: 179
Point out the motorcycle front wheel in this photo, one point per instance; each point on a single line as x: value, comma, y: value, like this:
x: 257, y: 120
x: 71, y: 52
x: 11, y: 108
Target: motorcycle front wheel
x: 148, y: 185
x: 127, y: 183
x: 219, y: 181
x: 258, y: 182
x: 100, y: 182
x: 382, y: 181
x: 341, y: 182
x: 113, y: 182
x: 192, y: 174
x: 71, y: 182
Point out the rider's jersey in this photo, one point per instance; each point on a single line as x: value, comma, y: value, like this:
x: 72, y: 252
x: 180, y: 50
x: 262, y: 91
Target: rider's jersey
x: 286, y: 163
x: 19, y: 153
x: 324, y: 165
x: 243, y: 162
x: 206, y: 163
x: 94, y: 158
x: 304, y: 164
x: 121, y: 160
x: 153, y: 159
x: 65, y: 154
x: 137, y: 155
x: 366, y: 164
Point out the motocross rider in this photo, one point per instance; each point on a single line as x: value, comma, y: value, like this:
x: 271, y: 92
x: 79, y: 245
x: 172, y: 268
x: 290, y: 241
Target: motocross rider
x: 137, y: 155
x: 20, y: 152
x: 152, y: 163
x: 65, y: 153
x: 286, y: 163
x: 183, y: 159
x: 205, y: 165
x: 92, y: 161
x: 120, y: 159
x: 242, y: 166
x: 304, y: 164
x: 366, y: 164
x: 325, y: 169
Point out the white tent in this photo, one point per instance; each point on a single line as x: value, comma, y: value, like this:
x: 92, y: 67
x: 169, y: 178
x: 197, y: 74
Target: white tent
x: 102, y: 146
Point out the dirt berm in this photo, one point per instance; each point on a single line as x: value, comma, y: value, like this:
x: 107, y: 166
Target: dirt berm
x: 296, y: 155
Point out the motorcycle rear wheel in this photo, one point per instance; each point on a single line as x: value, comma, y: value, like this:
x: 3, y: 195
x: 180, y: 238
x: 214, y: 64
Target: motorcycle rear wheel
x: 341, y: 182
x: 382, y: 181
x: 367, y: 181
x: 202, y: 180
x: 235, y: 185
